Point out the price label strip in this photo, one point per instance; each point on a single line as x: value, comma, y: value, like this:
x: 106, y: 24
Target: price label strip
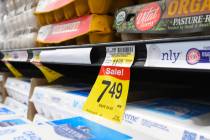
x: 108, y: 96
x: 7, y: 56
x: 19, y: 56
x: 13, y: 70
x: 49, y: 74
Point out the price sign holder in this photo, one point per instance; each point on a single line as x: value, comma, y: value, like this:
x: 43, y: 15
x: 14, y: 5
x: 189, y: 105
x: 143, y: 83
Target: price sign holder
x: 49, y: 74
x: 13, y: 70
x: 108, y: 96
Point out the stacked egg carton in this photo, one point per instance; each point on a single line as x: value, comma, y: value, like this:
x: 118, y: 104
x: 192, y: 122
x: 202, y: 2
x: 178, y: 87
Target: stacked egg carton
x: 58, y: 102
x: 19, y: 24
x: 2, y: 29
x: 18, y: 91
x: 77, y: 21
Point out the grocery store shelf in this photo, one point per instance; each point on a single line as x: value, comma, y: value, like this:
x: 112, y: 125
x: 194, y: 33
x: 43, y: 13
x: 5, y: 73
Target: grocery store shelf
x: 97, y: 53
x: 111, y: 44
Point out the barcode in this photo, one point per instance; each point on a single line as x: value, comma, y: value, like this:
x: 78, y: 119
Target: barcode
x: 125, y: 50
x: 122, y: 50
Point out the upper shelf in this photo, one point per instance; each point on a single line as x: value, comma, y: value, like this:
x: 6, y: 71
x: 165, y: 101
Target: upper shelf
x: 185, y: 53
x: 111, y: 44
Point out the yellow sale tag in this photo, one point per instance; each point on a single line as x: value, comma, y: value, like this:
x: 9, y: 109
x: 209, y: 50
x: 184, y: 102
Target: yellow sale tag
x: 13, y: 70
x: 7, y: 57
x: 36, y: 56
x: 49, y: 74
x: 108, y: 96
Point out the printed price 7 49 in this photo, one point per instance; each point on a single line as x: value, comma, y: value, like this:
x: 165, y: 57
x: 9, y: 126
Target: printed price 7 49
x: 115, y: 90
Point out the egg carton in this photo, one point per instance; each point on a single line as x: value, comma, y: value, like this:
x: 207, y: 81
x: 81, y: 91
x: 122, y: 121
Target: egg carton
x: 68, y: 98
x: 18, y: 89
x: 17, y: 106
x: 52, y: 113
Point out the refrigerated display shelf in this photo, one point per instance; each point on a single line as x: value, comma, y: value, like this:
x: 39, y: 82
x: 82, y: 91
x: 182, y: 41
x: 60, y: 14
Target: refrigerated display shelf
x: 111, y: 44
x: 99, y: 54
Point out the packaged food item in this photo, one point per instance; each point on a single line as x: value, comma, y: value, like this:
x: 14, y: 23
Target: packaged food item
x: 12, y: 121
x: 75, y: 128
x: 69, y: 11
x: 20, y: 23
x: 49, y: 17
x: 10, y: 5
x: 18, y: 89
x: 54, y: 11
x: 100, y: 38
x: 41, y: 19
x: 100, y: 6
x: 163, y: 18
x: 6, y: 112
x: 59, y: 15
x: 17, y: 106
x: 52, y: 112
x: 3, y: 10
x: 39, y: 119
x: 81, y: 7
x: 86, y: 127
x: 174, y: 119
x: 64, y: 99
x: 97, y: 27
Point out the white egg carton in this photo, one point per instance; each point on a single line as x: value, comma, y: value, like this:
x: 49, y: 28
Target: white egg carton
x: 6, y: 112
x: 51, y: 112
x: 39, y: 119
x: 66, y: 98
x: 17, y: 106
x: 13, y: 121
x: 19, y: 89
x: 170, y: 119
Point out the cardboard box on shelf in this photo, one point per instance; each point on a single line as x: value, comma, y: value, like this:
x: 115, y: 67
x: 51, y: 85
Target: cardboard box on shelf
x: 3, y: 78
x: 13, y: 121
x: 92, y: 121
x: 87, y: 29
x: 66, y: 100
x: 6, y: 112
x: 18, y: 89
x: 40, y: 119
x: 72, y: 128
x: 174, y: 119
x: 19, y: 107
x: 26, y: 88
x: 31, y: 108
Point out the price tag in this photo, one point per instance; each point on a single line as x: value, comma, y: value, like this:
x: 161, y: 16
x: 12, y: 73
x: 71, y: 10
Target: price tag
x: 108, y: 96
x: 7, y: 56
x: 49, y: 74
x: 13, y: 70
x: 36, y: 56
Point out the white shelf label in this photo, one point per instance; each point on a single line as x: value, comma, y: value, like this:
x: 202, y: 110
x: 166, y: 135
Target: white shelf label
x: 76, y: 55
x: 20, y: 56
x: 191, y: 55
